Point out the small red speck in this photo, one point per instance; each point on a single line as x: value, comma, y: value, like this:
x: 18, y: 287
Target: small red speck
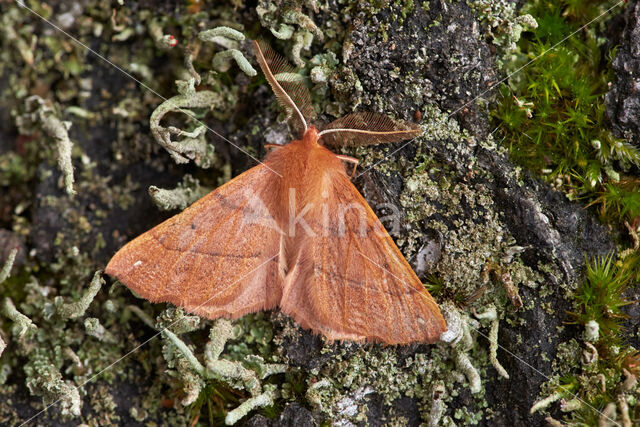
x: 314, y: 380
x: 172, y: 41
x: 21, y: 143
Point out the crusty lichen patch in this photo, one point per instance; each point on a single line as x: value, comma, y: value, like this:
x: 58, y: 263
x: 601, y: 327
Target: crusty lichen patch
x: 340, y: 389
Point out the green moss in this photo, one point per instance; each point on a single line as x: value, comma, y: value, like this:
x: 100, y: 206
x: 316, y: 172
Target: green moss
x: 619, y: 200
x: 407, y: 7
x: 551, y: 114
x: 601, y: 296
x: 553, y: 120
x: 212, y: 401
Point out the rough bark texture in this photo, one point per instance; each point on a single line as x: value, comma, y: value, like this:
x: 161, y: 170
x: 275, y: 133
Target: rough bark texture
x: 623, y: 100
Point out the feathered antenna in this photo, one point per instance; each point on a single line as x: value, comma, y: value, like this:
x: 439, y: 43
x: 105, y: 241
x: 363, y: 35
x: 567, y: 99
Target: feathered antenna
x: 287, y: 85
x: 367, y: 129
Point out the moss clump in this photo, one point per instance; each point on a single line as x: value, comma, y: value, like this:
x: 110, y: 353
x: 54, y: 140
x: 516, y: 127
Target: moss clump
x: 552, y: 112
x: 552, y: 116
x: 621, y: 200
x: 600, y: 371
x: 602, y: 296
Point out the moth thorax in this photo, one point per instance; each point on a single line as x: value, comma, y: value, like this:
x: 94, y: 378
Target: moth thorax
x: 310, y: 137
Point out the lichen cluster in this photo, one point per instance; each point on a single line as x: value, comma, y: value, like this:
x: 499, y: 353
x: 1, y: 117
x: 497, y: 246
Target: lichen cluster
x: 503, y: 24
x: 70, y: 338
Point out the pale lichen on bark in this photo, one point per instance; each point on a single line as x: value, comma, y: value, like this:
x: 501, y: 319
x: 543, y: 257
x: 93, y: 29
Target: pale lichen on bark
x: 229, y: 38
x: 72, y: 310
x: 230, y: 372
x: 21, y: 323
x: 5, y: 272
x: 40, y: 114
x: 187, y: 192
x: 193, y: 144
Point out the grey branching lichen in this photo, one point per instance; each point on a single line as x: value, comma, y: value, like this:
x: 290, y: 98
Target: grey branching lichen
x: 46, y: 360
x: 4, y: 274
x: 41, y: 115
x: 163, y: 41
x: 222, y: 61
x: 193, y: 144
x: 545, y: 402
x: 7, y: 30
x: 187, y: 192
x: 438, y: 407
x: 288, y: 22
x: 459, y: 336
x: 184, y: 363
x: 22, y: 324
x: 194, y: 374
x: 223, y: 35
x: 491, y: 314
x: 236, y: 375
x: 229, y: 38
x: 44, y: 379
x: 6, y: 268
x: 95, y: 329
x: 265, y: 399
x: 77, y: 308
x: 464, y: 364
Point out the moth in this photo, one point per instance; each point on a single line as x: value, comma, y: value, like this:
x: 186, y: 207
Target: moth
x: 292, y: 232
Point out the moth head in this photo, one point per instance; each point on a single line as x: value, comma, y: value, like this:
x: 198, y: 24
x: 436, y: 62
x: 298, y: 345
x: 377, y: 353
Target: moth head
x: 311, y: 136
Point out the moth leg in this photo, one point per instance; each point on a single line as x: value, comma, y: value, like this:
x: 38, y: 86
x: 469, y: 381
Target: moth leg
x: 271, y: 147
x: 349, y: 159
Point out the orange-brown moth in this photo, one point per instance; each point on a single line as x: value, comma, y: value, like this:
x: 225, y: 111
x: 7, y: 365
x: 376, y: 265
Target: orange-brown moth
x: 292, y: 232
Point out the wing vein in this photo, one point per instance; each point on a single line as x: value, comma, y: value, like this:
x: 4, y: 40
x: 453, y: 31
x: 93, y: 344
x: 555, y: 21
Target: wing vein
x: 345, y: 288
